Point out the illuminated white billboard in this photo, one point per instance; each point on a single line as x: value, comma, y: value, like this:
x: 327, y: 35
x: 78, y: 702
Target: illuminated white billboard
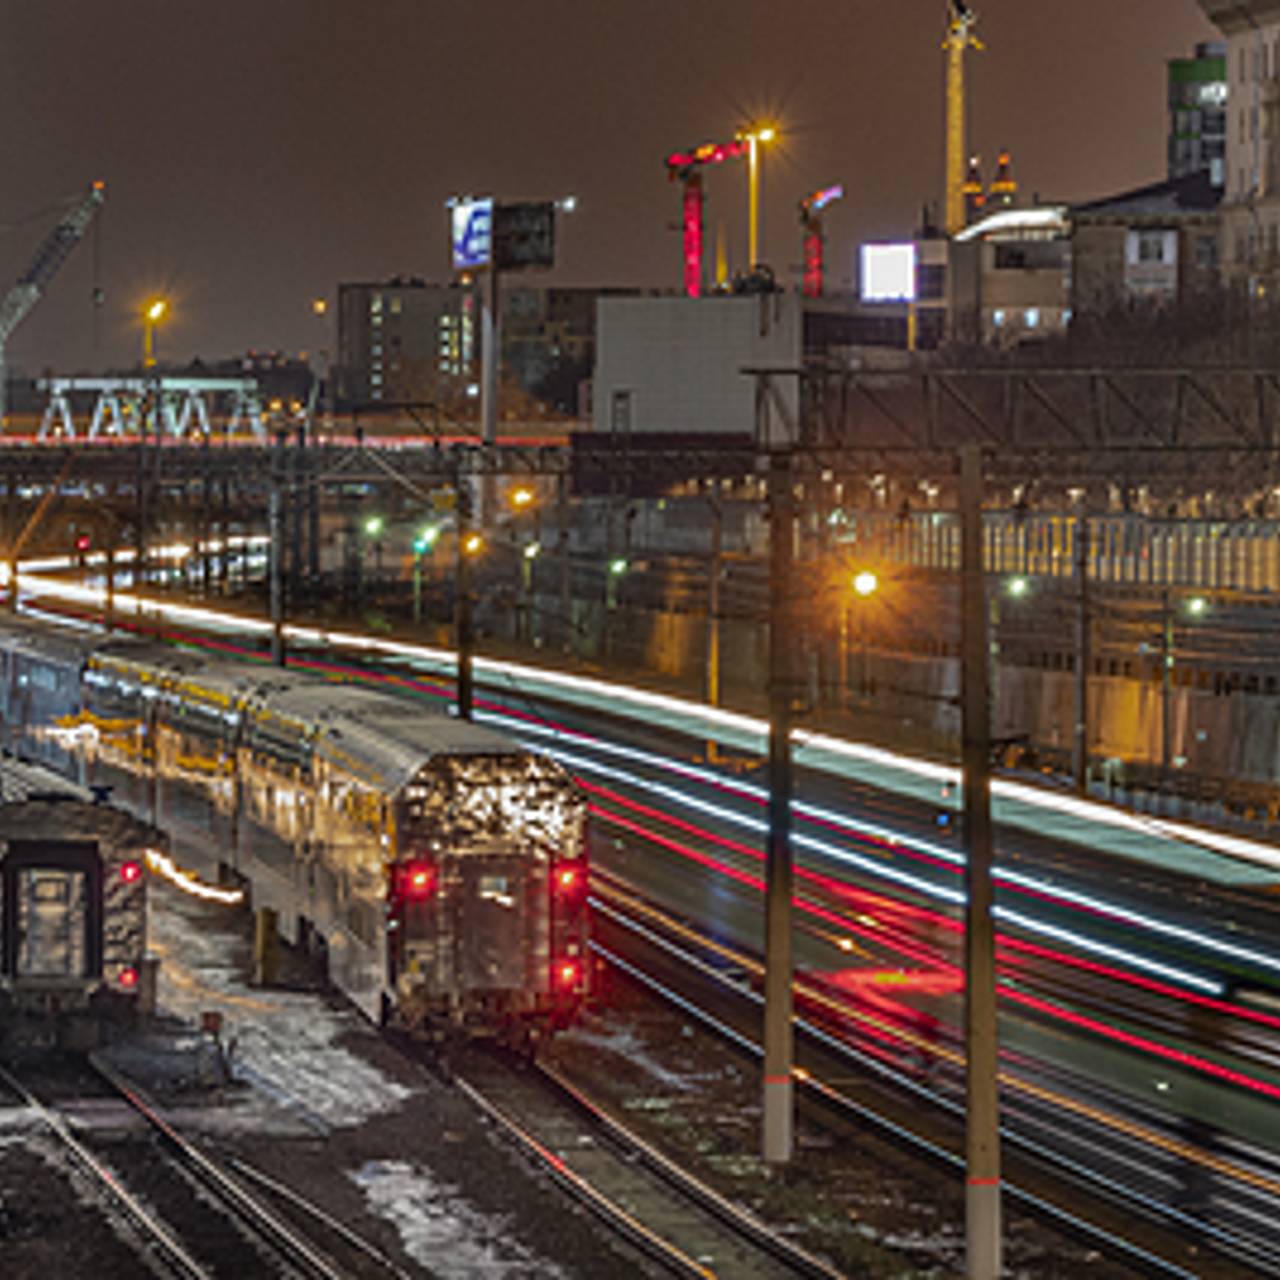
x: 888, y: 273
x: 472, y: 226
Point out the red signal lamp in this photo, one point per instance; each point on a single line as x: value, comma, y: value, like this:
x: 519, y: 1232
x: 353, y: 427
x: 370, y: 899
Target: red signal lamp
x: 567, y: 973
x: 417, y: 879
x: 568, y: 879
x: 131, y: 872
x: 83, y: 542
x: 128, y: 978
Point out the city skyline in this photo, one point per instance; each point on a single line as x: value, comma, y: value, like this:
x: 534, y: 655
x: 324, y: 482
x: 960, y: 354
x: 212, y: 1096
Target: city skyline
x: 255, y: 158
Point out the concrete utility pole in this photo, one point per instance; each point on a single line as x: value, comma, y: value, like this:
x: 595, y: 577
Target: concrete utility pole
x: 982, y: 1193
x: 778, y: 1035
x: 1084, y: 657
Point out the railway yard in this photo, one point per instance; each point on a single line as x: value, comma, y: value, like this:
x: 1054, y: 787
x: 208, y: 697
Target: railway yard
x: 348, y: 1157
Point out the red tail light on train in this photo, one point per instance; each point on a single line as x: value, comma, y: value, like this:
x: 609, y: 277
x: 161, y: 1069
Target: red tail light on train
x: 569, y: 879
x: 416, y: 880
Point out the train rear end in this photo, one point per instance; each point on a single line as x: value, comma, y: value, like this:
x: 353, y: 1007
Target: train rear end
x: 73, y: 905
x: 487, y: 905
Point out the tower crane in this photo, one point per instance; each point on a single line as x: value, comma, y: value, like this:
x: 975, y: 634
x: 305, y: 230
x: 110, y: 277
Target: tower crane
x: 686, y: 167
x: 811, y: 208
x: 960, y: 39
x: 44, y: 265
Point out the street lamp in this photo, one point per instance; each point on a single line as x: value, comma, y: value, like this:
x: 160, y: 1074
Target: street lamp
x: 753, y: 135
x: 865, y: 585
x: 152, y: 314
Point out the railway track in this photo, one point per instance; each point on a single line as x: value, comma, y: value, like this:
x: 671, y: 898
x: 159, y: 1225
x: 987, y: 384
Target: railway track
x: 716, y: 996
x: 194, y: 1219
x: 683, y: 1226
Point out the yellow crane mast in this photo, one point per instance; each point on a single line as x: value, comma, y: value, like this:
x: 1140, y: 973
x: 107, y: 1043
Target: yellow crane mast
x: 960, y: 39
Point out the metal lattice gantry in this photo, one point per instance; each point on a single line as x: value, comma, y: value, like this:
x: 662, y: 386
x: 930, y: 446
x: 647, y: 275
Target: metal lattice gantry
x: 179, y: 407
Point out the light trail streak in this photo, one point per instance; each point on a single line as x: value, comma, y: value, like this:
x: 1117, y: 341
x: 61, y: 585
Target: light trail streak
x: 702, y: 715
x: 188, y: 882
x: 1060, y: 1013
x: 879, y: 869
x: 910, y: 845
x: 1137, y: 1132
x: 936, y: 920
x: 759, y: 796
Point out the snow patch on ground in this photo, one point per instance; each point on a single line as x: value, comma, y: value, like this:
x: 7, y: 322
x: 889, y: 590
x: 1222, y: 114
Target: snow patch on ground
x: 446, y: 1234
x: 626, y: 1044
x: 282, y: 1043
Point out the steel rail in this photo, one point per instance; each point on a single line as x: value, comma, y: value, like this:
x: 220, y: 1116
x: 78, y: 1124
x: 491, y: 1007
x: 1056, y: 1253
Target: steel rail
x: 680, y: 1179
x: 1073, y: 1224
x: 620, y: 1220
x: 277, y: 1233
x: 159, y: 1234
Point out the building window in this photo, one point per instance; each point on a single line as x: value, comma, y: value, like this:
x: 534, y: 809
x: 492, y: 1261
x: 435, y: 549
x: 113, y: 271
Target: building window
x: 1151, y: 246
x: 396, y: 306
x: 1207, y: 252
x: 1032, y: 317
x: 997, y: 319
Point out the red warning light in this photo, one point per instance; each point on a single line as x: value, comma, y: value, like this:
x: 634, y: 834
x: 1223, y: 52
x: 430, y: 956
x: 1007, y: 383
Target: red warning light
x: 567, y: 879
x: 83, y: 542
x: 567, y: 973
x: 131, y: 872
x: 417, y: 879
x: 128, y: 978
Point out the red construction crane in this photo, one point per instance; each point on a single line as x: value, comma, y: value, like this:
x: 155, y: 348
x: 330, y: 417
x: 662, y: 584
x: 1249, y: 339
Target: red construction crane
x: 815, y: 241
x: 686, y: 167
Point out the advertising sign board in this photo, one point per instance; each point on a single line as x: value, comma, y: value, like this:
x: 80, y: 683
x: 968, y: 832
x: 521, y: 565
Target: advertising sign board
x: 888, y: 273
x: 472, y: 227
x: 524, y: 235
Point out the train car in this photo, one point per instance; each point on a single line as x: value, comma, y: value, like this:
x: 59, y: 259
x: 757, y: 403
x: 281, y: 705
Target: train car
x: 73, y: 897
x: 440, y: 866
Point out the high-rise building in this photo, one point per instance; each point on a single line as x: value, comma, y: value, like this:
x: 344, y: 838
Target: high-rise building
x: 411, y: 341
x: 1250, y: 246
x: 1198, y: 113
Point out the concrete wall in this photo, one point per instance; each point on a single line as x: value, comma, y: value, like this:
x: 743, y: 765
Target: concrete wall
x: 915, y: 700
x: 681, y: 359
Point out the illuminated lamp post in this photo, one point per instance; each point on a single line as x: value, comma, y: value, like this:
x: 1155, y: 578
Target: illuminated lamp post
x: 753, y: 136
x: 865, y: 585
x: 152, y: 314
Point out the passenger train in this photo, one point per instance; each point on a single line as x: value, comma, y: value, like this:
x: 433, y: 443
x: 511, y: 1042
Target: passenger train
x: 440, y: 866
x: 72, y: 898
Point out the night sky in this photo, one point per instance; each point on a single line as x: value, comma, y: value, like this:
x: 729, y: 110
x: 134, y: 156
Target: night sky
x: 259, y: 151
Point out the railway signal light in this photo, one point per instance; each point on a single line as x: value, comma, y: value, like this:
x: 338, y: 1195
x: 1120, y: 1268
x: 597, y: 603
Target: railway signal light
x: 567, y: 973
x: 568, y: 879
x: 128, y: 978
x: 131, y: 872
x: 83, y: 542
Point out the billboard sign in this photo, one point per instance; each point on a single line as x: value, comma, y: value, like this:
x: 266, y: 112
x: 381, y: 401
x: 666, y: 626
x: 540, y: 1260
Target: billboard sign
x: 524, y: 235
x: 888, y: 273
x: 471, y: 222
